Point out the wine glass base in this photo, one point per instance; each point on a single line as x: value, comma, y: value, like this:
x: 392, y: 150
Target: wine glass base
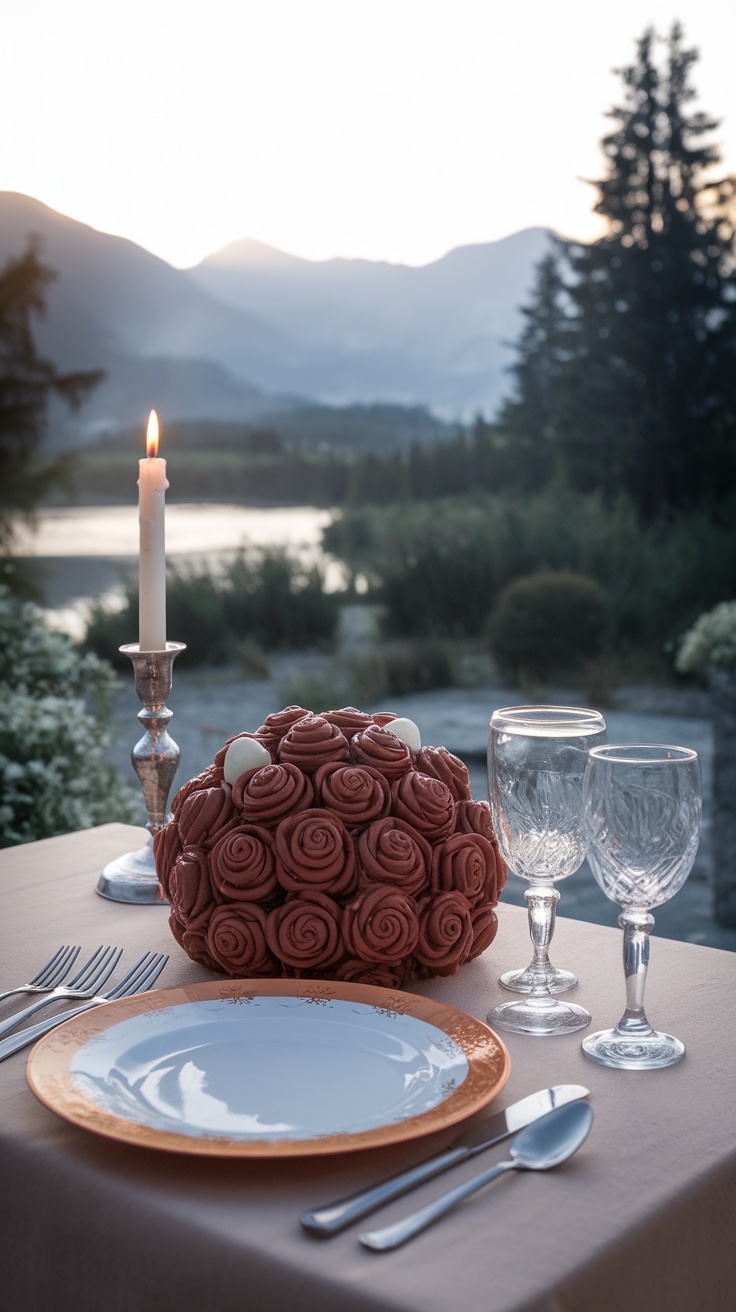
x: 647, y: 1052
x: 532, y: 981
x: 540, y: 1016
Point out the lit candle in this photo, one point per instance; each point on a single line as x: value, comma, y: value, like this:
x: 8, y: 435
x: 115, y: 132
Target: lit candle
x: 152, y: 484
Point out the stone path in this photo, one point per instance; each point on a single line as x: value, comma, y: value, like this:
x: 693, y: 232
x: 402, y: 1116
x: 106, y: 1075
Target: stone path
x: 208, y: 708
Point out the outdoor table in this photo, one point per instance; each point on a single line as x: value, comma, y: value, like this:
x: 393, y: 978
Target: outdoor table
x: 643, y: 1217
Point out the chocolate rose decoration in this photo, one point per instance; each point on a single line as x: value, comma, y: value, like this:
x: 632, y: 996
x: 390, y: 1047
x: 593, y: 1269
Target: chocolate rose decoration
x: 381, y: 925
x: 441, y: 764
x: 348, y: 720
x: 189, y: 888
x: 384, y: 717
x: 445, y: 932
x: 311, y: 741
x: 166, y: 848
x: 314, y: 851
x: 466, y: 863
x: 243, y: 865
x: 383, y: 750
x: 475, y: 818
x: 276, y: 725
x: 390, y: 851
x: 356, y: 793
x: 485, y: 924
x: 194, y: 943
x: 265, y: 796
x: 425, y: 803
x: 361, y: 972
x: 305, y: 932
x: 205, y: 814
x: 236, y: 938
x: 209, y: 778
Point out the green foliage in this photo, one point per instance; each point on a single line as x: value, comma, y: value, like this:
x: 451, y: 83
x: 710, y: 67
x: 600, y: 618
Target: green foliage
x: 710, y: 642
x: 263, y: 600
x: 548, y: 624
x: 27, y: 383
x: 53, y: 774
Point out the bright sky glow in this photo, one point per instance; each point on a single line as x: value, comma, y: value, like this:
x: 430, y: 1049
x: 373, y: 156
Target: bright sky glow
x: 391, y: 129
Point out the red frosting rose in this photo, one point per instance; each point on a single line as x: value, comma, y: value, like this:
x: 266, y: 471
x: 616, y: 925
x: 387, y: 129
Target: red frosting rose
x: 356, y: 793
x: 441, y: 764
x: 311, y: 741
x: 314, y: 851
x: 276, y: 725
x: 485, y: 924
x: 194, y: 943
x: 265, y: 796
x: 220, y: 756
x: 380, y: 748
x: 209, y: 778
x: 305, y: 932
x: 467, y: 863
x: 205, y: 814
x: 390, y: 851
x: 243, y: 865
x: 236, y: 938
x: 348, y: 720
x: 425, y: 803
x: 381, y: 925
x: 189, y: 888
x: 445, y: 932
x: 166, y: 848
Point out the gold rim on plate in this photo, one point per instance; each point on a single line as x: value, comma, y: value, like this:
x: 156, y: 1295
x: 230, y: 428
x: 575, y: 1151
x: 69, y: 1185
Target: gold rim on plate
x: 50, y: 1076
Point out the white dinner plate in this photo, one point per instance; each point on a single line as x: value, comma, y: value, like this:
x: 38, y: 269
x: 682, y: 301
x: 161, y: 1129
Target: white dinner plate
x: 268, y: 1067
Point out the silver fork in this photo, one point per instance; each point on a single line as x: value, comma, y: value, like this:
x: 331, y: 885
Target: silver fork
x: 55, y: 970
x: 86, y: 983
x: 140, y: 977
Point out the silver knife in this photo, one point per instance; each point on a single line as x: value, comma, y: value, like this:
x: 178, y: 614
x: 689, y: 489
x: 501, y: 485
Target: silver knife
x: 332, y: 1218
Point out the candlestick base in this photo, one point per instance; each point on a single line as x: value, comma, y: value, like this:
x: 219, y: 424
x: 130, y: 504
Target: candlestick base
x: 155, y: 758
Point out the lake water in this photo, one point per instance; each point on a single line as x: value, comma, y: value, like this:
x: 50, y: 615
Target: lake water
x: 89, y: 552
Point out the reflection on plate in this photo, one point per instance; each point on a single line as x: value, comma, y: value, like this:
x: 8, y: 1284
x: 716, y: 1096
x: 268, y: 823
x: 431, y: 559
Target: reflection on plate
x: 262, y: 1068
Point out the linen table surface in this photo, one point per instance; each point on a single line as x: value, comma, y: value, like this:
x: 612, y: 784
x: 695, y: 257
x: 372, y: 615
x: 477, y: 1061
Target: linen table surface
x: 643, y: 1217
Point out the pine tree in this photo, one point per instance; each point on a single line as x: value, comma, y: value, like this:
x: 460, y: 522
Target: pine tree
x: 645, y: 387
x: 27, y: 383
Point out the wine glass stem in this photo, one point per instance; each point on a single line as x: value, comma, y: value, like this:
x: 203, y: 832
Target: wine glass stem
x: 541, y: 899
x: 637, y: 926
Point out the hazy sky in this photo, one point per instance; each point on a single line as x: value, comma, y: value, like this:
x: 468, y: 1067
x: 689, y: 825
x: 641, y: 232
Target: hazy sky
x: 392, y: 129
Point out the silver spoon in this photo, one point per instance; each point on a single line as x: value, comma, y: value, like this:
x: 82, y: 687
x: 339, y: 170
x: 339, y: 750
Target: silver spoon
x: 547, y: 1142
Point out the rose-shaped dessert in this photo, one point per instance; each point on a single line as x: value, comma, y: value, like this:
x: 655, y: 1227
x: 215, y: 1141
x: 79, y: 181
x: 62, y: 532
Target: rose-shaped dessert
x: 236, y: 938
x: 466, y: 863
x: 357, y: 793
x: 485, y: 924
x: 425, y: 803
x: 277, y: 724
x: 445, y: 932
x: 475, y: 818
x: 243, y: 865
x: 381, y: 925
x: 166, y: 848
x: 384, y: 717
x: 194, y: 943
x: 348, y: 720
x: 209, y: 778
x: 305, y: 932
x: 362, y: 972
x: 189, y: 888
x: 441, y: 764
x: 383, y: 750
x: 314, y: 851
x: 265, y: 796
x: 311, y: 741
x: 390, y: 851
x: 205, y: 814
x: 220, y: 756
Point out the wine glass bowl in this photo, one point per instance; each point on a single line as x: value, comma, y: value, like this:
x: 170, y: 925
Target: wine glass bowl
x: 536, y: 763
x: 642, y: 806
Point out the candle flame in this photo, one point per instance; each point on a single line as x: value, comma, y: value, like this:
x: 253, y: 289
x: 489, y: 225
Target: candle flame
x: 152, y: 435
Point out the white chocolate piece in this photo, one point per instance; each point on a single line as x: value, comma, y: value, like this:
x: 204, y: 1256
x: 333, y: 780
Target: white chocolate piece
x: 407, y: 731
x: 244, y: 754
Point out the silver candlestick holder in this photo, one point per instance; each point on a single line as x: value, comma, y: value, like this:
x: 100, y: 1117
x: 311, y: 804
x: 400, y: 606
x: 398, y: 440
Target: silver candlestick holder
x: 155, y: 757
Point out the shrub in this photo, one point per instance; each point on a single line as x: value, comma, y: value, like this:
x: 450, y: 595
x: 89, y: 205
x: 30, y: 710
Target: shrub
x: 547, y: 624
x: 710, y: 641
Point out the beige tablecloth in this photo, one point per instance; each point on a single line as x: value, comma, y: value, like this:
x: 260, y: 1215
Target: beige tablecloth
x: 642, y: 1219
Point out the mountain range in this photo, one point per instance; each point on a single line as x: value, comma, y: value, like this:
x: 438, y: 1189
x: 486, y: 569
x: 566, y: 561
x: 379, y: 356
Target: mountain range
x: 252, y: 330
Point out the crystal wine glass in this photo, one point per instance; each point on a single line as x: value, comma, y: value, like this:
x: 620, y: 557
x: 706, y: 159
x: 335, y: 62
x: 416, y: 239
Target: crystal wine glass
x: 536, y: 762
x: 642, y: 807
